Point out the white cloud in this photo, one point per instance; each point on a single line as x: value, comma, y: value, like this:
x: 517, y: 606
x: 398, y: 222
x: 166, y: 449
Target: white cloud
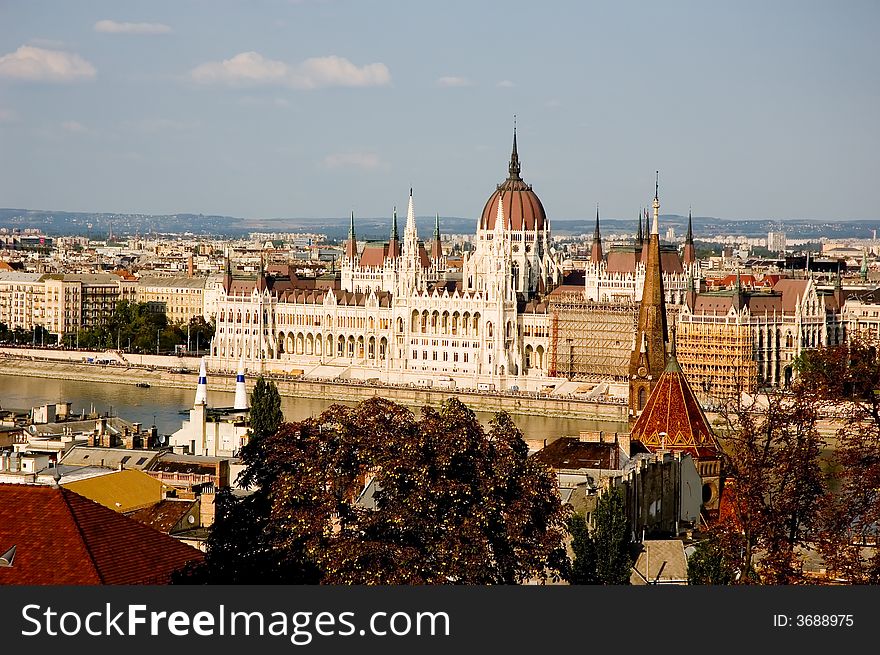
x: 338, y: 71
x: 453, y: 81
x: 243, y: 68
x: 42, y: 65
x: 114, y: 27
x: 251, y: 68
x: 75, y: 127
x: 366, y: 161
x: 506, y: 84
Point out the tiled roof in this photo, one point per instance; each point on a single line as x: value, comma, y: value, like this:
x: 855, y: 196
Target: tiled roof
x: 672, y: 408
x: 62, y: 538
x: 662, y: 561
x: 163, y: 516
x: 571, y: 453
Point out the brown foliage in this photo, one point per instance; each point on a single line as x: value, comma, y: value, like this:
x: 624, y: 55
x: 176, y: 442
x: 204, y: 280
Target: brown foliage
x: 453, y: 504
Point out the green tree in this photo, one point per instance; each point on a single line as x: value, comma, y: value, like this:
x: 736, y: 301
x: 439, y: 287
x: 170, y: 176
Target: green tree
x: 265, y: 414
x: 372, y: 495
x: 711, y: 562
x: 612, y: 540
x: 583, y: 564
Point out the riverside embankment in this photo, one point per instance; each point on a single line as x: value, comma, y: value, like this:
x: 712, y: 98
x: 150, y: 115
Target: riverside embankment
x: 162, y: 371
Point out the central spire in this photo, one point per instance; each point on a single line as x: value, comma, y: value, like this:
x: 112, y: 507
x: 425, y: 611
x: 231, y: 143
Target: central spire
x: 514, y: 167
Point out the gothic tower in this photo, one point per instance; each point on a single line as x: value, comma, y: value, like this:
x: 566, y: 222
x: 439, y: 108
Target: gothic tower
x: 648, y: 358
x: 596, y: 249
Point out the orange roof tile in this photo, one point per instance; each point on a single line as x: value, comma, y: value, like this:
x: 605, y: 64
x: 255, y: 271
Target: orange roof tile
x: 672, y: 408
x: 62, y: 538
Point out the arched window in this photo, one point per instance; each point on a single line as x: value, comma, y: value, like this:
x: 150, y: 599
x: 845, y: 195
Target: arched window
x: 641, y: 399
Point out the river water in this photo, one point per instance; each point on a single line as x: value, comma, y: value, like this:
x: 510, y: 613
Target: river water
x: 162, y: 406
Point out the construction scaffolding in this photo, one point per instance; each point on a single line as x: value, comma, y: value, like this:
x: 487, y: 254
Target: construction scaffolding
x: 717, y: 357
x: 590, y: 339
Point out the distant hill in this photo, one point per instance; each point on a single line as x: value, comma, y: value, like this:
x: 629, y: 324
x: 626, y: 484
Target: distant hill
x: 98, y: 225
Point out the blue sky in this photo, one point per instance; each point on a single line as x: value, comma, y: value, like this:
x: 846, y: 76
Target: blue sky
x: 278, y: 108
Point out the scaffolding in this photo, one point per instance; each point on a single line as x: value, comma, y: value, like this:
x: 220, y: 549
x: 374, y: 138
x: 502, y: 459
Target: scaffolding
x: 590, y: 339
x: 718, y: 358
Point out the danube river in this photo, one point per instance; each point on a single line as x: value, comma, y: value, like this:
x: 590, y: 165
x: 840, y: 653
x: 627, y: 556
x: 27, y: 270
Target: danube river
x: 163, y: 406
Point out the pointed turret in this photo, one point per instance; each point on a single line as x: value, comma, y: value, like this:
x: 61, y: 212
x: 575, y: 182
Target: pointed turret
x: 648, y: 358
x: 596, y: 249
x: 640, y: 236
x: 689, y: 256
x: 351, y: 245
x: 394, y: 241
x: 513, y: 168
x: 410, y: 228
x: 202, y: 387
x: 436, y: 244
x: 241, y: 398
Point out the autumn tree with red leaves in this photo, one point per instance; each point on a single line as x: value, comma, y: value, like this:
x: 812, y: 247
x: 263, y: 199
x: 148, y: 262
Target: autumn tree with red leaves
x: 845, y: 381
x: 771, y: 457
x: 449, y: 503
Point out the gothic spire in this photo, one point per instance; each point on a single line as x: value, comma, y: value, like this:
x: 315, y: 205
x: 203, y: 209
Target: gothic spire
x: 394, y: 235
x: 351, y: 243
x: 436, y: 244
x: 640, y: 238
x: 596, y: 249
x: 514, y: 167
x: 689, y: 256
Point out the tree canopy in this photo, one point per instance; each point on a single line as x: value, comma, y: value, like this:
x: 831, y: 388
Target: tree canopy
x: 372, y: 495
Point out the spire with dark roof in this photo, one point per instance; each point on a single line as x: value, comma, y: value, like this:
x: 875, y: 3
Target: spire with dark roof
x: 596, y: 249
x: 436, y: 244
x: 514, y: 167
x: 640, y: 238
x: 394, y: 242
x: 351, y: 244
x: 689, y: 256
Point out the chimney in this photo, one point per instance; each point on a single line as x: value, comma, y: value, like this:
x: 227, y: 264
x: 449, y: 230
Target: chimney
x: 189, y: 265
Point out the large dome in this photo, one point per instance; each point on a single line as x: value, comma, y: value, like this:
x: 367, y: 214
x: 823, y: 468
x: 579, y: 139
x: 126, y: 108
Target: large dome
x: 522, y: 207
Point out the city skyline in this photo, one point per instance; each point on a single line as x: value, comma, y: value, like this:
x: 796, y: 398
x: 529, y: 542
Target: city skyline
x: 295, y: 109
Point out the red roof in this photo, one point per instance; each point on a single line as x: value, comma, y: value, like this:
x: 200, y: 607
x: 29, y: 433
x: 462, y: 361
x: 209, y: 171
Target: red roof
x: 672, y: 408
x: 62, y: 538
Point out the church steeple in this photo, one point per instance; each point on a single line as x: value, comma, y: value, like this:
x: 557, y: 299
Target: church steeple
x: 640, y: 237
x: 689, y: 255
x: 648, y: 358
x: 596, y: 249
